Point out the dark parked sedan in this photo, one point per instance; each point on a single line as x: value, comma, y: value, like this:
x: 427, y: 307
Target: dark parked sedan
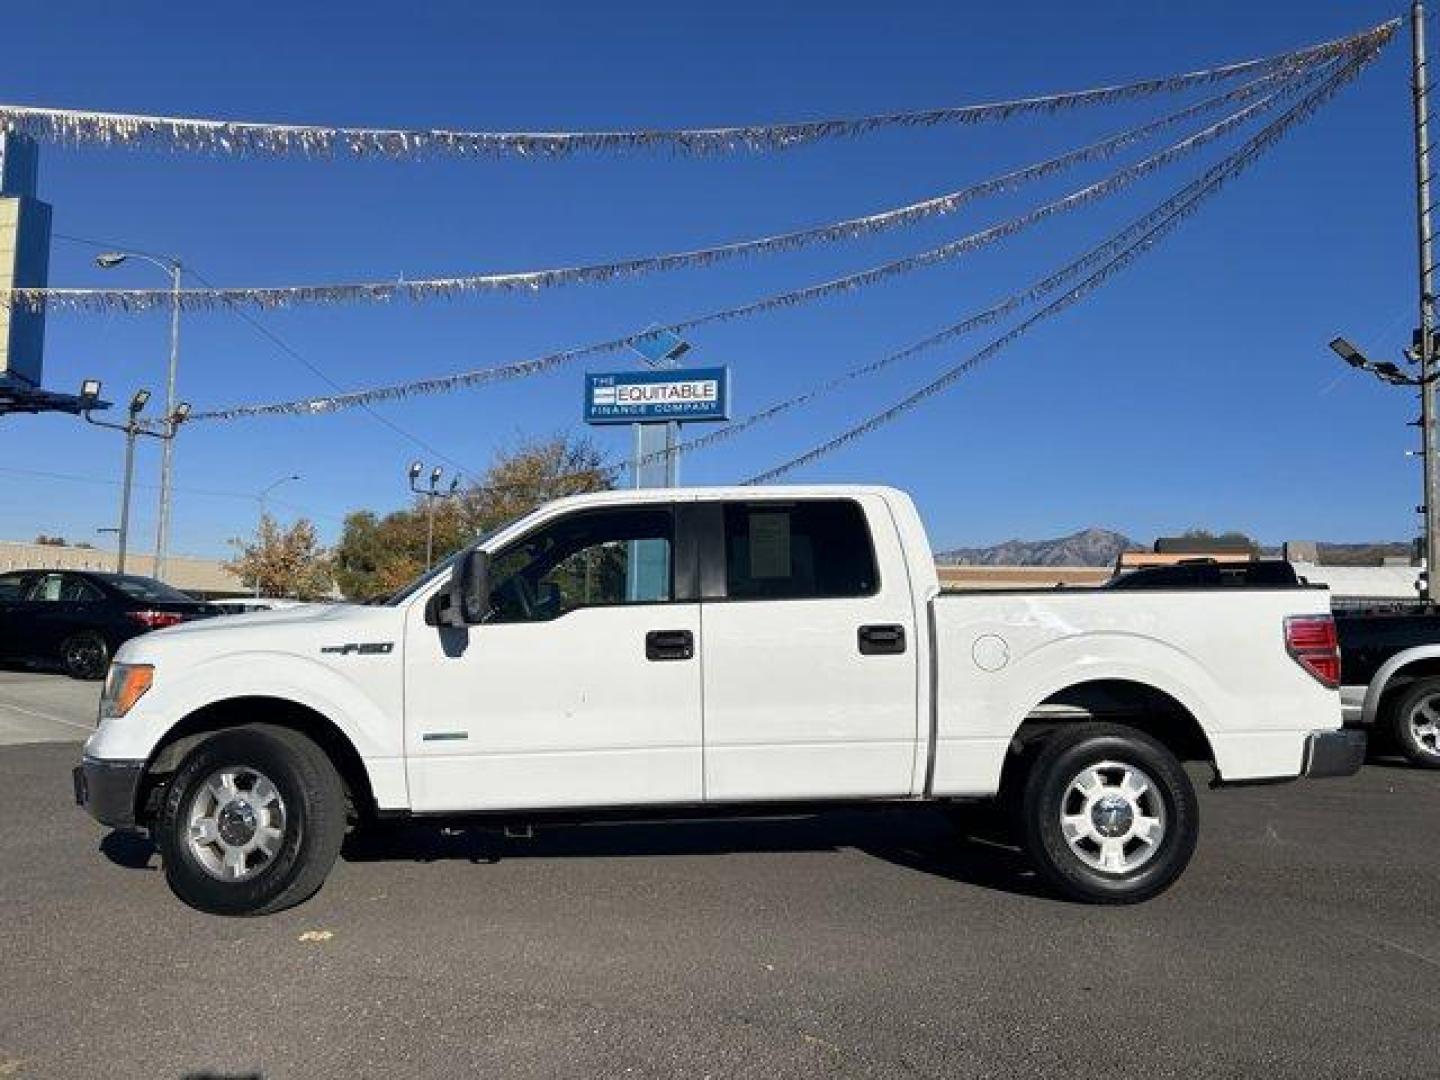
x: 80, y: 617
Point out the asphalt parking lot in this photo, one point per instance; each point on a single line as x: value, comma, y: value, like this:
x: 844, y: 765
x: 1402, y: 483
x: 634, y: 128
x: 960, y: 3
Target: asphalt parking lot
x: 1301, y: 943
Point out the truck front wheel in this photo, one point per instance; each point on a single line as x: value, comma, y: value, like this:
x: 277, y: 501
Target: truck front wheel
x: 252, y: 822
x: 1108, y: 813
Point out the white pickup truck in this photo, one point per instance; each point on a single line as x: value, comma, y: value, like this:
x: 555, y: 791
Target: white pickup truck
x: 668, y: 651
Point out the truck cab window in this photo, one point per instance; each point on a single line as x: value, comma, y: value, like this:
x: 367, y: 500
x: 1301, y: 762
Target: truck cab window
x: 796, y: 551
x: 585, y: 560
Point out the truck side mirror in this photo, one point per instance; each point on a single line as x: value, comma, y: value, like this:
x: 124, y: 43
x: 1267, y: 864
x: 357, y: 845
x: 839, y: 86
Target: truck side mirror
x: 469, y: 590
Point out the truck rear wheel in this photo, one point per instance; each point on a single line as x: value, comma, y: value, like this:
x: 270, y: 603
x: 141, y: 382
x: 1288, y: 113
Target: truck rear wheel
x: 1415, y: 723
x: 252, y: 822
x: 1109, y: 815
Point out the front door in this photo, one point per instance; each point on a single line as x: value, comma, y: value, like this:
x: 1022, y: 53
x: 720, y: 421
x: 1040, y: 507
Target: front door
x: 811, y: 679
x: 581, y: 688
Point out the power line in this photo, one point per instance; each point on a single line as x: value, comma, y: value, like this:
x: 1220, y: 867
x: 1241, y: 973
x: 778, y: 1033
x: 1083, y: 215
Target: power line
x: 248, y: 496
x: 286, y: 348
x: 294, y: 354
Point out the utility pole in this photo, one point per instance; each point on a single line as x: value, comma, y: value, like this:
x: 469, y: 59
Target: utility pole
x: 1426, y: 347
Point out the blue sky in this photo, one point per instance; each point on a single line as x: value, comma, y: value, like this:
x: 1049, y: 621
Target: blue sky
x: 1195, y: 390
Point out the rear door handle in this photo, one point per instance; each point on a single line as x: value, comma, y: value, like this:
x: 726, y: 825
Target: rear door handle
x: 669, y: 645
x: 882, y: 638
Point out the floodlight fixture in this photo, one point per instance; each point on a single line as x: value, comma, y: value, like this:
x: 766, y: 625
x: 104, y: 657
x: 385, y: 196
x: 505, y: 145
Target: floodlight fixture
x: 1348, y: 352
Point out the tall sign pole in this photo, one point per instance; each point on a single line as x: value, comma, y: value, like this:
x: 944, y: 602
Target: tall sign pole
x: 1420, y: 91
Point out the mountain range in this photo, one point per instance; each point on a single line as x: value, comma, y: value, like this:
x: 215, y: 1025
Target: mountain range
x: 1088, y: 547
x: 1101, y: 547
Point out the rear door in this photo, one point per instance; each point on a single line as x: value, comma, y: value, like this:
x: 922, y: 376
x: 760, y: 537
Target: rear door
x: 58, y: 606
x: 809, y: 657
x: 14, y: 587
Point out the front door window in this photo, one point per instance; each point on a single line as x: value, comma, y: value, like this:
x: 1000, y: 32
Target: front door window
x: 598, y: 559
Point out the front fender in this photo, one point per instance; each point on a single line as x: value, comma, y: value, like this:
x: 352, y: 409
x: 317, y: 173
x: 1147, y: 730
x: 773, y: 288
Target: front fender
x: 364, y: 703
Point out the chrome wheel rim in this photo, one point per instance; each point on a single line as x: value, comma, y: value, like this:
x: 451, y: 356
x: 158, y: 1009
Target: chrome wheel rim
x: 1113, y: 817
x: 236, y: 823
x: 1424, y: 722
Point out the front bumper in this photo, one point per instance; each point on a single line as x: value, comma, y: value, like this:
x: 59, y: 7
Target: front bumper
x: 107, y: 790
x: 1334, y: 753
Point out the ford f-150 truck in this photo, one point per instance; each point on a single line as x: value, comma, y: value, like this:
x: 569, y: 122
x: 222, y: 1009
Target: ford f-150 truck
x: 654, y: 653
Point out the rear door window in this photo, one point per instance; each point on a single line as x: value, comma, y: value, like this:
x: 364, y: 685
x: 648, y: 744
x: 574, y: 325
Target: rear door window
x: 815, y: 549
x: 76, y: 590
x: 48, y: 588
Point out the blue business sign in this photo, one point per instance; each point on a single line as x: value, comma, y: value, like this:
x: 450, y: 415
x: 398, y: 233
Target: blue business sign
x: 638, y: 397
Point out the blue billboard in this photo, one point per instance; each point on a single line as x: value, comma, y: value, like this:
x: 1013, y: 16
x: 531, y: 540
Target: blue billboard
x: 640, y: 397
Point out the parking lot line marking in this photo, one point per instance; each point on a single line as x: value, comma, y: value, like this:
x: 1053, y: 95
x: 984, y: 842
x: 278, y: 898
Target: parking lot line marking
x: 45, y: 716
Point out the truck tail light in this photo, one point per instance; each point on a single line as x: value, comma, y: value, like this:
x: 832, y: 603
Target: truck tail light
x: 156, y: 620
x: 1311, y: 640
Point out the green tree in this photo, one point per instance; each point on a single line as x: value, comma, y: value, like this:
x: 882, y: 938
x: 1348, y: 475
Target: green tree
x: 281, y: 561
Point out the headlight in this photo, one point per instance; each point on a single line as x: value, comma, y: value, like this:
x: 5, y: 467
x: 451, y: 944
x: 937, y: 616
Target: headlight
x: 124, y: 686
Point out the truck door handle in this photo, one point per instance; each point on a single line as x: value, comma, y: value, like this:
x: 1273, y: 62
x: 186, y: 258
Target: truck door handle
x: 669, y: 645
x: 881, y: 639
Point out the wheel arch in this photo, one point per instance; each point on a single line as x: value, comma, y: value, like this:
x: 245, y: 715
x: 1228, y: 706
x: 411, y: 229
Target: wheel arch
x: 1126, y: 702
x: 235, y: 712
x: 1395, y: 675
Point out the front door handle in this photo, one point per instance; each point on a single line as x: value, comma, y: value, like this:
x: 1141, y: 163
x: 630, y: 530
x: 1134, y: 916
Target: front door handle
x: 669, y: 645
x: 881, y: 639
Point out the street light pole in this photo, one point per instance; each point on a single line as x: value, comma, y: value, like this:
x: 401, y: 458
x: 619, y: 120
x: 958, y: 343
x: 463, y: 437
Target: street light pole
x: 133, y: 428
x: 123, y: 540
x: 261, y: 499
x: 1426, y: 344
x: 167, y: 454
x: 431, y: 494
x: 173, y: 267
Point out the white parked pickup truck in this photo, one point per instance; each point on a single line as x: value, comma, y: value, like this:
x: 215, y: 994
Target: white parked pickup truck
x: 671, y: 650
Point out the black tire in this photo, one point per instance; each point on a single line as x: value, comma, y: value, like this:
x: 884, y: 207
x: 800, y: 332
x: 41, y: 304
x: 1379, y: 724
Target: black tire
x: 1406, y: 722
x: 1057, y: 764
x: 86, y: 655
x: 312, y: 801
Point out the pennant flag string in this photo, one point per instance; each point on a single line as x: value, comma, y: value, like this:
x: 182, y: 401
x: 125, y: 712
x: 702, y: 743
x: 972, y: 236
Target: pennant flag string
x: 848, y: 283
x: 274, y: 297
x: 1206, y: 186
x: 237, y: 137
x: 1237, y: 163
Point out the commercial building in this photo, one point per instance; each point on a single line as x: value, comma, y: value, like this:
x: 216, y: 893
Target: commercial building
x: 204, y: 578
